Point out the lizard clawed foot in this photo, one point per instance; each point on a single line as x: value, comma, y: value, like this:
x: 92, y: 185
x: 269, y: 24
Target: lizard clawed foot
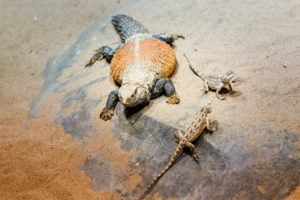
x: 177, y: 140
x: 173, y: 99
x: 97, y: 56
x: 195, y: 157
x: 220, y: 97
x: 212, y: 126
x: 106, y: 114
x: 177, y: 36
x: 178, y: 136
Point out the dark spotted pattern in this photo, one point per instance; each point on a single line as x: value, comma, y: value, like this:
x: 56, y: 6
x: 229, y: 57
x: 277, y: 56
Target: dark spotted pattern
x: 127, y: 26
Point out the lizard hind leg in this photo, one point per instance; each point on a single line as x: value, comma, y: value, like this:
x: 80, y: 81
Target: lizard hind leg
x: 191, y: 147
x: 169, y: 39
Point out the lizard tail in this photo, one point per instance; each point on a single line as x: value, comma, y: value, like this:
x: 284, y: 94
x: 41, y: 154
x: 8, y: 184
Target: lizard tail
x: 193, y: 69
x: 126, y: 26
x: 177, y: 152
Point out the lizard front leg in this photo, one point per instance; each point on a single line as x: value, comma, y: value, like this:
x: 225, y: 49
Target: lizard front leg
x: 166, y: 86
x: 103, y: 52
x: 211, y: 125
x: 178, y: 136
x: 206, y: 87
x: 111, y: 103
x: 230, y: 87
x: 218, y: 89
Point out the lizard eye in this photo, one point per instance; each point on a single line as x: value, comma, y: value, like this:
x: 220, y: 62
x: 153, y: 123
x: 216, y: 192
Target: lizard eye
x: 135, y: 92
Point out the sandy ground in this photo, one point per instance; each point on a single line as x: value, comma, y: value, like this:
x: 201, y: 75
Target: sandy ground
x: 46, y: 154
x: 39, y: 161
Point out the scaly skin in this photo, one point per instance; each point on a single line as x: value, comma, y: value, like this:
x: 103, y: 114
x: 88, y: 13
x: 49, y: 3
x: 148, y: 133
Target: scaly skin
x: 185, y: 141
x: 215, y: 82
x: 141, y: 65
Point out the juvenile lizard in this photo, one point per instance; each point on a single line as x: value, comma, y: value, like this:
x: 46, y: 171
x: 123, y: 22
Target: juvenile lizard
x: 214, y: 82
x: 192, y: 133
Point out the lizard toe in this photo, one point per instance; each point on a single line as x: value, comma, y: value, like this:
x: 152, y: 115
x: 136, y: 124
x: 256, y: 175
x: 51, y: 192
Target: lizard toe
x: 221, y: 98
x: 177, y: 36
x: 106, y: 114
x: 173, y: 99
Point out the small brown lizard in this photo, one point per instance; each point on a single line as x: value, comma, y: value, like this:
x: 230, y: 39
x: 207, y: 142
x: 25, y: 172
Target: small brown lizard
x: 192, y: 133
x: 214, y: 82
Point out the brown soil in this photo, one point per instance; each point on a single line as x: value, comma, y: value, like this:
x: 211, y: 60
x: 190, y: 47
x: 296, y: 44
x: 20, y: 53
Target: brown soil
x: 39, y: 161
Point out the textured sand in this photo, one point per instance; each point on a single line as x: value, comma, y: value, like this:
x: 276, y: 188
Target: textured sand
x: 37, y: 159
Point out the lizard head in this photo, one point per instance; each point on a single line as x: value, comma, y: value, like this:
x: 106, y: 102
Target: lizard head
x: 227, y: 77
x: 131, y: 95
x: 207, y: 108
